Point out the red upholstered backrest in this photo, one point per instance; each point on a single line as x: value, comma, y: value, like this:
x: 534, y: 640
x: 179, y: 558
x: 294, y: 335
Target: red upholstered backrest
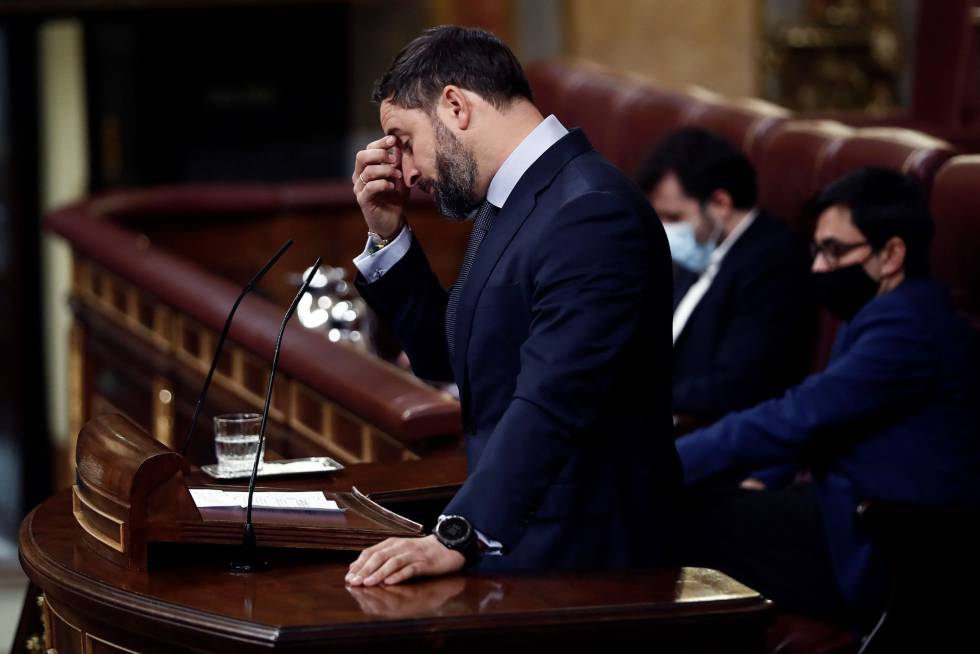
x: 624, y: 116
x: 956, y: 245
x: 593, y: 100
x: 646, y: 116
x: 547, y: 80
x: 911, y: 152
x: 789, y: 164
x: 746, y: 122
x: 614, y: 110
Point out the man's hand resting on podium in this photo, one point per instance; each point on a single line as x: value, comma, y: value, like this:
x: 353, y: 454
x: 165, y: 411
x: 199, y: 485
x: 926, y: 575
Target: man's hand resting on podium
x: 397, y: 559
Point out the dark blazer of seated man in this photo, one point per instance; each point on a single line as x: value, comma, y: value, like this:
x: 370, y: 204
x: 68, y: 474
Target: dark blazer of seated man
x: 892, y: 417
x: 562, y: 305
x: 743, y: 313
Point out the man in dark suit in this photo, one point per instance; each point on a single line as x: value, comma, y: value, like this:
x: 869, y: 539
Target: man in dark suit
x: 743, y: 317
x: 893, y: 417
x: 562, y: 304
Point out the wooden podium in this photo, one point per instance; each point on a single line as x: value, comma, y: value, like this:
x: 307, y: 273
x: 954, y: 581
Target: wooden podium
x: 131, y: 491
x: 125, y: 562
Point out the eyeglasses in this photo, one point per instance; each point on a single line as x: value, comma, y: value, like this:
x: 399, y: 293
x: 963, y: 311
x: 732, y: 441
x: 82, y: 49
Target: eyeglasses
x: 832, y: 250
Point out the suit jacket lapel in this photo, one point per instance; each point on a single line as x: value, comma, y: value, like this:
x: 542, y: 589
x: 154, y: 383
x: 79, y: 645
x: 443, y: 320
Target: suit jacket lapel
x: 731, y: 267
x: 519, y: 205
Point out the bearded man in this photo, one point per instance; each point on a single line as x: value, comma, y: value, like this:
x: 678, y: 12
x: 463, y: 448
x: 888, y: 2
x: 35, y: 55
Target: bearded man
x: 557, y: 330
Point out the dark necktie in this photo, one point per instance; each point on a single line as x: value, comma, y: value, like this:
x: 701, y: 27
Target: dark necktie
x: 481, y: 226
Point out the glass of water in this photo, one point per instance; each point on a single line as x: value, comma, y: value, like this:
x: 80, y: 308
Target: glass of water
x: 236, y: 438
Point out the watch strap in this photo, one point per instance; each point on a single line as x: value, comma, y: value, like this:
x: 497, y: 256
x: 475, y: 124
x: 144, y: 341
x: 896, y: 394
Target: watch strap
x: 471, y: 548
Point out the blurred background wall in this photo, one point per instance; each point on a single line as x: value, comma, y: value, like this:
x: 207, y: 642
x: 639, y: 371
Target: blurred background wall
x: 636, y: 36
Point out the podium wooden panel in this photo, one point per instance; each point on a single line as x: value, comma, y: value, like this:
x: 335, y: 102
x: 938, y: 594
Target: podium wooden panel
x: 130, y: 492
x: 186, y: 601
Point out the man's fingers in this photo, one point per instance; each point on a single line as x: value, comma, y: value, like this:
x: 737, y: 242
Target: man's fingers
x: 379, y: 171
x: 358, y: 563
x: 383, y: 143
x: 356, y: 566
x: 372, y: 156
x: 377, y: 186
x: 407, y: 572
x: 381, y: 151
x: 395, y: 563
x: 366, y: 553
x: 373, y: 561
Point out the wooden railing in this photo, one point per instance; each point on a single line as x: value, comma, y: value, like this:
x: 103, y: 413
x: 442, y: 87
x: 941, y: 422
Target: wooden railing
x: 146, y: 322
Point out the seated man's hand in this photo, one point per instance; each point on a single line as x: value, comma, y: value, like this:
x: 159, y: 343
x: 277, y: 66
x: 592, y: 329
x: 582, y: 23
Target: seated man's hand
x: 397, y: 559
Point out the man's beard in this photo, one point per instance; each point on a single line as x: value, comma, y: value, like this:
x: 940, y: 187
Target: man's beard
x: 456, y: 166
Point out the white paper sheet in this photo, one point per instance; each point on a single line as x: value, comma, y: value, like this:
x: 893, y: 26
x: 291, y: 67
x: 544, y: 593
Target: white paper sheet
x: 298, y: 500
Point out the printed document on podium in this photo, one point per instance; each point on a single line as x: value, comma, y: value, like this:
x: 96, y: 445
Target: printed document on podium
x: 299, y: 500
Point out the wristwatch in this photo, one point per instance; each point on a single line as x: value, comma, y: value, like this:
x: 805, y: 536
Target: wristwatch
x: 456, y: 533
x: 375, y: 242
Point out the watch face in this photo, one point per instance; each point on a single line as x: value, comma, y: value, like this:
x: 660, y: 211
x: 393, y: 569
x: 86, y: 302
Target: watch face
x: 454, y: 530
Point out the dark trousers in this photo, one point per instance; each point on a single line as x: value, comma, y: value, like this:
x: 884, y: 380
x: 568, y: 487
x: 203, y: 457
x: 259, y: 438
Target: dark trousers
x: 771, y: 541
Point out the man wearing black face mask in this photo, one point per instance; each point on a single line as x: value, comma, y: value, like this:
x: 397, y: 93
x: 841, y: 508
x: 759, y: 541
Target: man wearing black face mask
x: 872, y: 234
x: 893, y: 416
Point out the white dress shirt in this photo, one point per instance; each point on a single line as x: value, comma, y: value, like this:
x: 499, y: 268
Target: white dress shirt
x: 698, y: 289
x: 546, y: 134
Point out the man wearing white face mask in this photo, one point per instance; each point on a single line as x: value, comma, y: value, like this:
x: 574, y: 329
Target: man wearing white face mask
x: 690, y: 254
x: 743, y: 318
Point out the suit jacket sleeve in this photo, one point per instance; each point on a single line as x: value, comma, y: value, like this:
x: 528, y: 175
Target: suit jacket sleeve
x: 888, y: 369
x: 590, y: 281
x: 412, y: 302
x: 755, y: 344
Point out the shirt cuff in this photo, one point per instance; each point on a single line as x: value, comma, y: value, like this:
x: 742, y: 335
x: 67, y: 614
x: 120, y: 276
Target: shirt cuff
x: 492, y: 547
x: 373, y: 266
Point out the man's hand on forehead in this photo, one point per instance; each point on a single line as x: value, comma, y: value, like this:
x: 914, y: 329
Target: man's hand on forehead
x: 379, y: 185
x: 379, y: 160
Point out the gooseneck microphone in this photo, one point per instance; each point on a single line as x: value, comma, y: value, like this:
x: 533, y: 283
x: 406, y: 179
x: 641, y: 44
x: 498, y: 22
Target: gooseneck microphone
x: 224, y: 333
x: 249, y: 562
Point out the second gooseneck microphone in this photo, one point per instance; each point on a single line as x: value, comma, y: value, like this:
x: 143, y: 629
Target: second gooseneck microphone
x: 250, y: 561
x: 224, y: 334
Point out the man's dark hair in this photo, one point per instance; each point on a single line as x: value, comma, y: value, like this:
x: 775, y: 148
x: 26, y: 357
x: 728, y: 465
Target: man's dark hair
x: 703, y: 163
x: 885, y: 203
x: 470, y: 58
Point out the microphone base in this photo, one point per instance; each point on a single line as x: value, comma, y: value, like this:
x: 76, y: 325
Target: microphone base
x: 248, y: 557
x: 246, y: 566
